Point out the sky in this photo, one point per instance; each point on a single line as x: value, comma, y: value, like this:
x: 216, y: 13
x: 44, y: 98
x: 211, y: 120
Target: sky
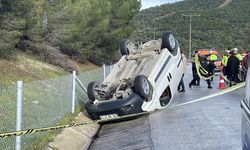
x: 152, y: 3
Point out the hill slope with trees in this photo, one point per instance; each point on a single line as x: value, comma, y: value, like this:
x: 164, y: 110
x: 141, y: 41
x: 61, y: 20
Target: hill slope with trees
x: 218, y: 26
x: 85, y: 30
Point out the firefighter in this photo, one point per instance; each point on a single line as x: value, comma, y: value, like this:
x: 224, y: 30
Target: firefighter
x: 239, y: 56
x: 181, y: 86
x: 209, y: 66
x: 224, y: 61
x: 233, y: 65
x: 196, y: 78
x: 213, y: 57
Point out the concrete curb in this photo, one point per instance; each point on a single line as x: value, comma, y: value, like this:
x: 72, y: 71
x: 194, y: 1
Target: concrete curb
x: 75, y: 138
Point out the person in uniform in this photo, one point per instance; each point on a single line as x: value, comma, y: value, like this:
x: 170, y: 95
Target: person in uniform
x: 233, y: 65
x: 196, y: 78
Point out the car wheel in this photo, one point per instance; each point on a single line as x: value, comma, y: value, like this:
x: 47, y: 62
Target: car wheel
x: 92, y: 94
x: 143, y: 87
x: 168, y: 41
x: 124, y: 47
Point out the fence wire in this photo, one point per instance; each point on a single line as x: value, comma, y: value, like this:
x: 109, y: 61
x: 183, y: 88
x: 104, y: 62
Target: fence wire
x: 8, y: 115
x: 45, y: 102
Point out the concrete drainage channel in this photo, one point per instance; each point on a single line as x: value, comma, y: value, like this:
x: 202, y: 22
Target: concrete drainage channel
x: 75, y: 138
x: 130, y: 134
x: 111, y: 136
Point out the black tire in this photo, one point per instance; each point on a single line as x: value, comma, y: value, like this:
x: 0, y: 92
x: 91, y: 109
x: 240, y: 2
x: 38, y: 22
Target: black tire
x: 143, y: 87
x: 168, y: 41
x: 92, y: 94
x: 175, y: 51
x: 124, y: 47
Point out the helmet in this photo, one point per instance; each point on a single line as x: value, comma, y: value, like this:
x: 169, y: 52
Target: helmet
x: 227, y: 51
x: 235, y: 49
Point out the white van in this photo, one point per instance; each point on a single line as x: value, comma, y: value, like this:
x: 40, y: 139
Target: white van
x: 145, y: 79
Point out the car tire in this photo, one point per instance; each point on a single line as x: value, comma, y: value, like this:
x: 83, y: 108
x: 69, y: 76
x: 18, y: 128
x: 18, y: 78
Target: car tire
x: 92, y: 94
x: 143, y: 87
x: 169, y: 42
x: 124, y: 47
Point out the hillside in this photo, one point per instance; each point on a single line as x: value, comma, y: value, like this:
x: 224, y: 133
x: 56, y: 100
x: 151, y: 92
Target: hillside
x: 29, y: 68
x: 222, y: 23
x: 85, y: 30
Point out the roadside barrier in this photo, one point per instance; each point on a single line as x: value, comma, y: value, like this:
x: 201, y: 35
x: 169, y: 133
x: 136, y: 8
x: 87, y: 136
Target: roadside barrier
x: 36, y: 130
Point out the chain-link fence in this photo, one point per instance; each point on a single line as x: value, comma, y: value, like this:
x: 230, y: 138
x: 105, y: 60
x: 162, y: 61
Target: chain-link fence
x: 45, y: 102
x: 8, y: 115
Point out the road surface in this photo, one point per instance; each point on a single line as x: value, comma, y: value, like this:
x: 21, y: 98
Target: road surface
x: 213, y: 124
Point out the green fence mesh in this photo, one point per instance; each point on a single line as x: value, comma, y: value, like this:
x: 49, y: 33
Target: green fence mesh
x: 45, y: 102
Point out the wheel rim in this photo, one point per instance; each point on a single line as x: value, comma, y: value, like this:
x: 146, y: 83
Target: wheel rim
x: 171, y: 41
x: 145, y: 85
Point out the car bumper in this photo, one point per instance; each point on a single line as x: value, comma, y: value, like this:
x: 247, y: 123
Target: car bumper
x: 119, y: 107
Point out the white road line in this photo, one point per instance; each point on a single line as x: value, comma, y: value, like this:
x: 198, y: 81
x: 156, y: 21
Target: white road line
x: 230, y: 89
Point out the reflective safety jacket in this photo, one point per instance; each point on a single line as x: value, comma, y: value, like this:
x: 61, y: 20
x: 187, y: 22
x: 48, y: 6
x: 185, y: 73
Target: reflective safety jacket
x: 213, y: 57
x: 224, y: 60
x: 239, y: 57
x: 193, y: 60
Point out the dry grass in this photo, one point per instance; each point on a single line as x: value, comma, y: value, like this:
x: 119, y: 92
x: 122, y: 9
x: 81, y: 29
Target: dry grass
x: 28, y: 68
x: 86, y: 66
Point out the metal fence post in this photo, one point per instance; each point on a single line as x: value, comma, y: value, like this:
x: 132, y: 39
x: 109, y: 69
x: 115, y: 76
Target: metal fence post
x: 73, y: 91
x: 19, y: 112
x: 104, y: 71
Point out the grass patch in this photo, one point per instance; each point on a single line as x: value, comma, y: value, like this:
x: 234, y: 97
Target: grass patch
x: 29, y: 68
x: 26, y: 68
x: 86, y: 66
x: 39, y: 143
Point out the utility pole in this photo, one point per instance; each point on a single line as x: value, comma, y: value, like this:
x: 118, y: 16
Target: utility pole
x: 190, y: 33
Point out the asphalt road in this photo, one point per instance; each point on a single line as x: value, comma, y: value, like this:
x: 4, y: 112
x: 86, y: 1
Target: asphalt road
x: 213, y: 124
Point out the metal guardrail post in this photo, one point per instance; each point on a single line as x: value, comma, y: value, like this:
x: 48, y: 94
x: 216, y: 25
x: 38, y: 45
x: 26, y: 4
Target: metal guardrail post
x: 73, y: 91
x: 19, y: 112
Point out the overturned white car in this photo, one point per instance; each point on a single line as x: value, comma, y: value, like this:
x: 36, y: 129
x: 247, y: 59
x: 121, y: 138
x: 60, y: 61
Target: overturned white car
x: 145, y: 79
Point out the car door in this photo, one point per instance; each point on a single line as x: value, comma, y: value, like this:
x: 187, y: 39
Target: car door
x: 245, y: 105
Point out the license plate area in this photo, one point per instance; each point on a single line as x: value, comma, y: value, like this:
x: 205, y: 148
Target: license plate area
x: 110, y: 116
